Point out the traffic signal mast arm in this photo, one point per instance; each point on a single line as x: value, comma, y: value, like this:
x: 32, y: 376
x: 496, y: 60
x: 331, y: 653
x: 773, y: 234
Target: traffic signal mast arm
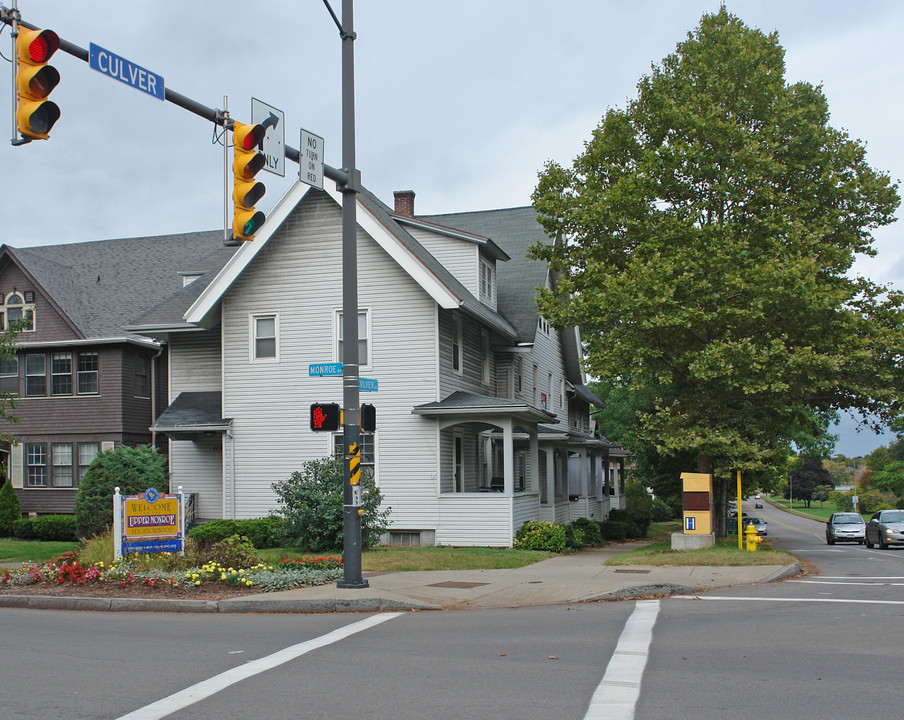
x: 186, y: 103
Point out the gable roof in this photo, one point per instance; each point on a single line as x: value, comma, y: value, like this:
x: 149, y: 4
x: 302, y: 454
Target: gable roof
x: 100, y: 287
x: 380, y: 224
x: 514, y: 230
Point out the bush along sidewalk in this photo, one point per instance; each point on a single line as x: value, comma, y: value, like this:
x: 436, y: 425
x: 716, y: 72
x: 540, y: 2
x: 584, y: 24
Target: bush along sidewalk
x: 134, y: 570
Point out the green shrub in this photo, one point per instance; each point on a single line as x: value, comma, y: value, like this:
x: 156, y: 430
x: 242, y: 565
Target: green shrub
x: 214, y: 531
x: 265, y: 532
x: 24, y: 529
x: 54, y: 527
x: 614, y: 530
x: 235, y: 551
x: 590, y: 530
x: 311, y: 504
x: 574, y: 537
x: 132, y: 469
x: 660, y: 511
x: 10, y: 511
x: 539, y: 535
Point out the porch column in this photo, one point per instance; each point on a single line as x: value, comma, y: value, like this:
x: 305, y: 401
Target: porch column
x: 594, y: 492
x: 508, y: 457
x: 551, y: 476
x: 621, y: 474
x: 534, y: 481
x: 585, y: 473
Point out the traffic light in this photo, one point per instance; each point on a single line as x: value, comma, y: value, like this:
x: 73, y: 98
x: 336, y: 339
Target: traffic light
x: 35, y: 80
x: 326, y: 417
x: 368, y: 418
x: 247, y: 161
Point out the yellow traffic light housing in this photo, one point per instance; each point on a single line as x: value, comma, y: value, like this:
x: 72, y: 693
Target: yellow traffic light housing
x: 35, y: 80
x: 247, y: 162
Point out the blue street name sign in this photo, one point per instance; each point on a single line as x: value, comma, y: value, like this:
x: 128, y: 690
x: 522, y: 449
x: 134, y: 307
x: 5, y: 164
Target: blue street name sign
x: 367, y: 384
x: 325, y: 369
x: 126, y: 71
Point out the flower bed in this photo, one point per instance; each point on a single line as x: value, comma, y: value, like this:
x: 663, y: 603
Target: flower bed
x: 132, y: 573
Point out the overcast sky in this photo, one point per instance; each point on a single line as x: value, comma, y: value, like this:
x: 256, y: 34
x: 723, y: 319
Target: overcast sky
x: 462, y: 102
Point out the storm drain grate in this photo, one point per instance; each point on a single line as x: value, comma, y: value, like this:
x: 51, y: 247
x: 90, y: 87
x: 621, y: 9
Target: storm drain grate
x: 459, y: 585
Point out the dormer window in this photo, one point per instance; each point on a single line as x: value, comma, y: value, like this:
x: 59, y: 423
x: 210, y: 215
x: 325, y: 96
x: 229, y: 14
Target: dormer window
x: 487, y: 282
x: 16, y: 308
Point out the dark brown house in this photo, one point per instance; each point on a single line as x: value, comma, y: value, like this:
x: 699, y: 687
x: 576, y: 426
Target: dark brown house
x: 82, y: 382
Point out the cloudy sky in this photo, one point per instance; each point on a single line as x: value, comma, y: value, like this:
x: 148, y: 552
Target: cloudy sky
x: 461, y: 101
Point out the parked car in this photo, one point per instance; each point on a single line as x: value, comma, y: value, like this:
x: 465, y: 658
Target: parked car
x: 885, y: 528
x: 757, y: 522
x: 845, y: 527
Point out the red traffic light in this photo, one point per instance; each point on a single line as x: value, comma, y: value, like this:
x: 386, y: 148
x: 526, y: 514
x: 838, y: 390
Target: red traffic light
x: 326, y: 417
x: 37, y: 46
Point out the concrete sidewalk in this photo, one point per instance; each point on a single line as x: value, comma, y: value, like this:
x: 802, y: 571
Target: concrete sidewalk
x: 563, y: 579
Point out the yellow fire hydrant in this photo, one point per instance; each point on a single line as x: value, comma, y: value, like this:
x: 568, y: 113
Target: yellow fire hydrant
x: 752, y: 538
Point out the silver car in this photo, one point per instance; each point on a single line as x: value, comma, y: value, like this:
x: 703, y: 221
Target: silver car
x: 885, y: 528
x: 845, y: 527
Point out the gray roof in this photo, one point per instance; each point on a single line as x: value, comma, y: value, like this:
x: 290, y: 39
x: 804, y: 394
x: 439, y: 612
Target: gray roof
x: 104, y: 286
x: 514, y: 230
x: 475, y: 405
x: 193, y: 412
x: 470, y: 304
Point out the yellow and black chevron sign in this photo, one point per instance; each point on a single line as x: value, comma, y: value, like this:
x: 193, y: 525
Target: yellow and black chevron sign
x: 354, y: 464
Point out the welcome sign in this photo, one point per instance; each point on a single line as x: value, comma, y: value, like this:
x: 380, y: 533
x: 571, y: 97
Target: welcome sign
x: 150, y: 522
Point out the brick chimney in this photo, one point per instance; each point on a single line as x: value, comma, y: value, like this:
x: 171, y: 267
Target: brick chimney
x: 404, y: 202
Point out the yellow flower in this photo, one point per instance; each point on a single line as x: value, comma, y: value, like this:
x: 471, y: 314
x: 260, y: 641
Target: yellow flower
x: 197, y: 582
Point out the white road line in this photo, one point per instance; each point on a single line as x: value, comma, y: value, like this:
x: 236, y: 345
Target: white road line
x: 860, y: 577
x: 845, y: 582
x: 211, y: 686
x: 616, y: 696
x: 789, y: 600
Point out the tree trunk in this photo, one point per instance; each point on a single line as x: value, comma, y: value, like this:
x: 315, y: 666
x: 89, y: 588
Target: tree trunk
x: 720, y: 495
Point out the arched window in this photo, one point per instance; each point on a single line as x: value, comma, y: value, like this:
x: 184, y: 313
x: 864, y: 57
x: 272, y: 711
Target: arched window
x: 14, y: 309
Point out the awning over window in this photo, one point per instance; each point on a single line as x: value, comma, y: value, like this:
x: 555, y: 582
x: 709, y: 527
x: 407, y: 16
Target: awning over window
x: 193, y: 415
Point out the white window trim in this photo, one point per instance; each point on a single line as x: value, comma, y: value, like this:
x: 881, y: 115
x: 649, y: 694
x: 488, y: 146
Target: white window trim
x: 252, y: 337
x: 458, y: 340
x: 458, y: 438
x: 368, y: 319
x: 485, y: 358
x: 488, y: 297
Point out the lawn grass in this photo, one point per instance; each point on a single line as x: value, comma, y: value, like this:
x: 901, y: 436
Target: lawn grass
x: 396, y: 559
x: 724, y: 553
x: 814, y: 512
x: 13, y: 550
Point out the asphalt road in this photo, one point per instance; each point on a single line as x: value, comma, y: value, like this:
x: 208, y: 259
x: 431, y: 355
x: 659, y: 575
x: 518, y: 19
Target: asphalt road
x: 824, y: 645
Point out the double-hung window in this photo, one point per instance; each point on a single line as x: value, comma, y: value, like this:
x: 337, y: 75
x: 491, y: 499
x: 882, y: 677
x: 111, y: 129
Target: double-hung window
x: 61, y: 454
x: 457, y: 349
x: 35, y: 465
x: 265, y: 337
x: 487, y: 282
x: 86, y: 454
x: 9, y: 375
x: 88, y: 383
x: 368, y: 452
x: 363, y: 337
x: 35, y: 374
x: 61, y: 373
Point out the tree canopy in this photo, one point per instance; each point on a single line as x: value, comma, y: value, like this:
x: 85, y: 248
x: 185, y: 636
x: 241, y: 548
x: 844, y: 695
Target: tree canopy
x: 703, y: 241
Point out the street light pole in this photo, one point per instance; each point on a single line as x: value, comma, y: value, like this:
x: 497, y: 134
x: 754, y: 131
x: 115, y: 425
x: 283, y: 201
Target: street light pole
x: 351, y: 549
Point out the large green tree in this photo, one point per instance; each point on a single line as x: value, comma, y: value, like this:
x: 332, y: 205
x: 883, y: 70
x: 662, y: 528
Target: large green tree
x: 703, y: 241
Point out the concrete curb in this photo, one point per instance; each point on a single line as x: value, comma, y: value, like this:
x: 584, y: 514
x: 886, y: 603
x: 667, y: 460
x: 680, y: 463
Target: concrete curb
x: 237, y: 605
x: 791, y: 570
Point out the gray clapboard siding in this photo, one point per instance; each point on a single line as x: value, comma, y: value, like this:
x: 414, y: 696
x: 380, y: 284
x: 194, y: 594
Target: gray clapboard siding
x: 298, y: 276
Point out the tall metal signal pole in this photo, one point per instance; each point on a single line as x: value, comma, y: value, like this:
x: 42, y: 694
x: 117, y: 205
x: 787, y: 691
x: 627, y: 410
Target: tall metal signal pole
x: 351, y: 549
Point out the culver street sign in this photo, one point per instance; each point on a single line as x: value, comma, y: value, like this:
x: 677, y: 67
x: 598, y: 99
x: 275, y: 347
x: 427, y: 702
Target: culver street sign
x: 118, y: 68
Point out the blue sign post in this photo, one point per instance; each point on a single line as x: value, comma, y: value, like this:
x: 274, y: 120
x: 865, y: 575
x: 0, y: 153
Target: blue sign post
x: 126, y: 71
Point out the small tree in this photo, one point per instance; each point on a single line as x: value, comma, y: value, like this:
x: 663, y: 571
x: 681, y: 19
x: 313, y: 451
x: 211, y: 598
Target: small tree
x: 822, y: 492
x: 132, y: 469
x: 805, y: 479
x: 311, y: 502
x: 10, y: 511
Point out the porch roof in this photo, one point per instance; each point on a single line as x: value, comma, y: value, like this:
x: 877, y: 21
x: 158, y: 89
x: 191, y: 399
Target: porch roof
x: 474, y: 406
x: 191, y: 415
x: 572, y: 437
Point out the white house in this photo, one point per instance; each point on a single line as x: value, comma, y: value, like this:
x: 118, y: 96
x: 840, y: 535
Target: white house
x: 483, y: 418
